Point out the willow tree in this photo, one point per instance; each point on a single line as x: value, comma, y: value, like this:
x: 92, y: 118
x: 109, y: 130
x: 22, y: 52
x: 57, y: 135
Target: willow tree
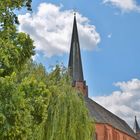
x: 68, y: 117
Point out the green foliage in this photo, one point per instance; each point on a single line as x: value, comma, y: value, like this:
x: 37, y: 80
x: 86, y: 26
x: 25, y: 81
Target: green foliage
x: 14, y: 54
x: 34, y: 104
x: 8, y: 18
x: 15, y: 48
x: 23, y: 107
x: 37, y: 97
x: 68, y: 117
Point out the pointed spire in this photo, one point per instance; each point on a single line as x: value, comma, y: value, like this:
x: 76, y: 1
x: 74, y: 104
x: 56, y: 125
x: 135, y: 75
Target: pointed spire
x: 136, y: 126
x: 75, y: 62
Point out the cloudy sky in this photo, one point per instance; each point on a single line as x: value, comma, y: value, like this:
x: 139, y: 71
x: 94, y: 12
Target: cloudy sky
x: 109, y: 32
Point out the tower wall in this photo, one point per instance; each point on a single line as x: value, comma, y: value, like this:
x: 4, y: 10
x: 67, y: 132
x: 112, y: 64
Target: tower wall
x: 82, y: 87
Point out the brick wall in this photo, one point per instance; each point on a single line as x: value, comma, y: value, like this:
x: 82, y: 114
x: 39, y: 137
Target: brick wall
x: 107, y: 132
x: 81, y: 86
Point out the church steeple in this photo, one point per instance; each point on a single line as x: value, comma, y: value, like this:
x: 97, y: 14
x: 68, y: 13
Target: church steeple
x: 136, y: 126
x: 75, y: 62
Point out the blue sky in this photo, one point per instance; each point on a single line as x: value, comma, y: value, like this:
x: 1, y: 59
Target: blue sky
x: 112, y: 66
x: 118, y: 57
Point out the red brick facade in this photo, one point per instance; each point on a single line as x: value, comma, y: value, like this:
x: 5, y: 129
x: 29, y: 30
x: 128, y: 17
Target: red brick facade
x: 107, y: 132
x: 81, y: 86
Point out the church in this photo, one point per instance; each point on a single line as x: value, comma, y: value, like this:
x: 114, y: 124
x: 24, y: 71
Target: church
x: 108, y: 126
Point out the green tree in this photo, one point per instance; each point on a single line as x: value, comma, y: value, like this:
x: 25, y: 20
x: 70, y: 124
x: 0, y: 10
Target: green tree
x: 18, y: 104
x: 68, y: 117
x: 23, y: 107
x: 15, y: 48
x: 34, y: 104
x: 42, y: 106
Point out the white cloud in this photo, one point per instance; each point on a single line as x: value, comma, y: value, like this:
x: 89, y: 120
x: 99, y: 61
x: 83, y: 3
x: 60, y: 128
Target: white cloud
x: 124, y: 5
x: 51, y: 27
x: 125, y: 103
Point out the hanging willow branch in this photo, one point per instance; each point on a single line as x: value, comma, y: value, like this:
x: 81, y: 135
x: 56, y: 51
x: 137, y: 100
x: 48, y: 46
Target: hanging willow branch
x: 68, y: 117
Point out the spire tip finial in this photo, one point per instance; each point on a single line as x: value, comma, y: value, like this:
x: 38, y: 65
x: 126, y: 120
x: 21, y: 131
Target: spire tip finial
x: 74, y: 12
